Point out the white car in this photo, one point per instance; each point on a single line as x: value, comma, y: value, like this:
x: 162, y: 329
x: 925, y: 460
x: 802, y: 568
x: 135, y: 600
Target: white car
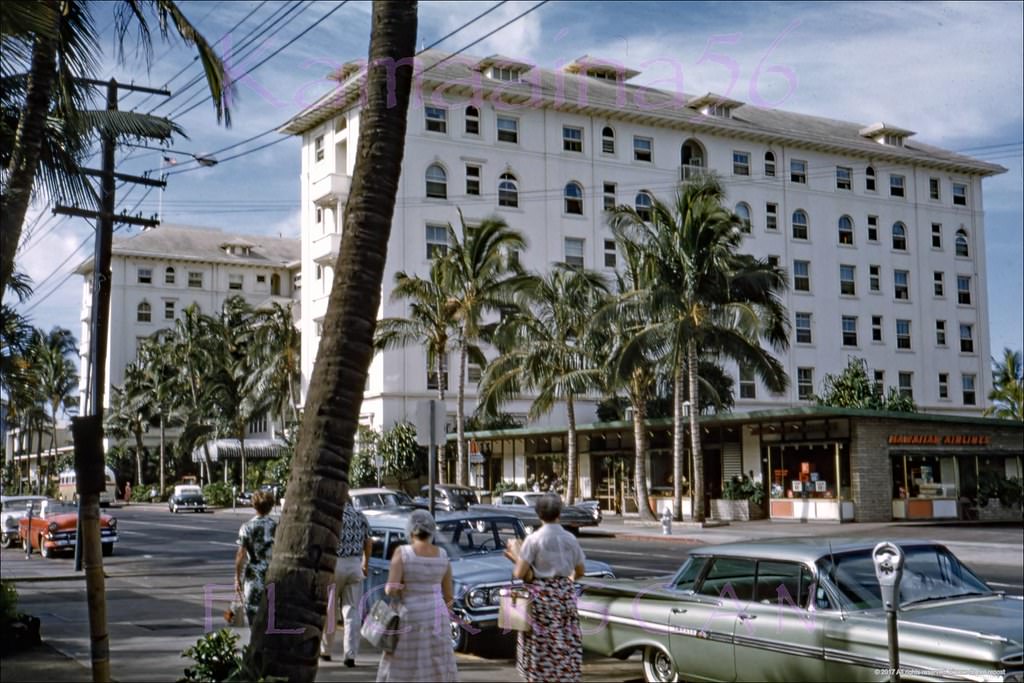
x: 12, y: 509
x: 187, y: 497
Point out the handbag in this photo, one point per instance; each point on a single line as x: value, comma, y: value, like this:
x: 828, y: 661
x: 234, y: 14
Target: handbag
x: 381, y: 626
x: 235, y: 614
x: 514, y: 608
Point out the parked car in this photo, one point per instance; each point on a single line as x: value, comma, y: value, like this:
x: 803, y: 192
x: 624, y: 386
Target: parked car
x: 12, y: 509
x: 475, y: 542
x: 448, y: 497
x: 53, y: 527
x: 187, y: 497
x: 810, y: 610
x: 522, y: 503
x: 372, y: 498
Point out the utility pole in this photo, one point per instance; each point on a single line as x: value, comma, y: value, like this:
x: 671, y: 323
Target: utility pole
x: 88, y: 430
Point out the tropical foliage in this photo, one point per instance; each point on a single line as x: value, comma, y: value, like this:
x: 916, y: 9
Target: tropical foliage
x: 1007, y: 395
x: 854, y: 388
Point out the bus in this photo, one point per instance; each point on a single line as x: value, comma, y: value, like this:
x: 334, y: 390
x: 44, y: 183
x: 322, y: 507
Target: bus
x: 68, y: 493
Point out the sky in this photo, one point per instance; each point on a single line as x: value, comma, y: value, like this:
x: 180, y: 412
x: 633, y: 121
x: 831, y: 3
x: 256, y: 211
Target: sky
x: 952, y: 72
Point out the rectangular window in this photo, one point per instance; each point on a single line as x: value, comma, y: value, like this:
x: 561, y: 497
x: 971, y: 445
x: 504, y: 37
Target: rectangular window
x: 906, y: 384
x: 769, y: 165
x: 318, y: 148
x: 966, y: 338
x: 432, y: 379
x: 959, y: 194
x: 609, y: 196
x: 936, y: 235
x: 879, y: 383
x: 195, y: 279
x: 572, y: 139
x: 944, y: 386
x: 933, y: 188
x: 235, y: 281
x: 319, y: 215
x: 472, y: 180
x: 847, y: 280
x: 608, y: 141
x: 574, y: 251
x: 609, y: 254
x: 963, y: 290
x: 145, y: 276
x: 169, y: 276
x: 261, y: 279
x: 168, y: 310
x: 897, y: 185
x: 844, y: 178
x: 803, y: 328
x: 939, y: 283
x: 472, y: 121
x: 967, y: 382
x: 748, y: 384
x: 643, y: 149
x: 805, y: 383
x: 319, y: 272
x: 902, y: 334
x: 872, y: 228
x: 940, y: 332
x: 901, y: 284
x: 849, y: 330
x: 798, y: 171
x: 508, y: 129
x: 869, y: 179
x: 802, y: 276
x: 143, y: 314
x: 474, y: 373
x: 436, y: 119
x: 876, y: 328
x: 874, y: 278
x: 437, y: 241
x: 741, y: 163
x: 771, y: 216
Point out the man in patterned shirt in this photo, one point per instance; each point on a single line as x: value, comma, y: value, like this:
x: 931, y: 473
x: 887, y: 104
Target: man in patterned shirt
x: 354, y: 546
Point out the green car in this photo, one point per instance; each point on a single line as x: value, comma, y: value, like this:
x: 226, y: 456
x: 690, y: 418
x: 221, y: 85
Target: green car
x: 806, y: 610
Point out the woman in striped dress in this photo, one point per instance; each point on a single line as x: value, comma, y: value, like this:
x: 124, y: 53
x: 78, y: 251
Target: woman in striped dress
x: 421, y: 576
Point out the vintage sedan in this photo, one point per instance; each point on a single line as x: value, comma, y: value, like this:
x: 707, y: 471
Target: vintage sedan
x: 187, y: 497
x: 447, y: 497
x: 521, y: 504
x: 372, y: 498
x: 475, y: 543
x: 53, y: 527
x: 807, y: 610
x: 12, y: 509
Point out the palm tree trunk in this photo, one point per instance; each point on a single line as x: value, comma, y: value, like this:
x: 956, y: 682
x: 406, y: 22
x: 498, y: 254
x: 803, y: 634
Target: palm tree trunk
x: 162, y: 462
x: 462, y: 462
x: 570, y: 486
x: 698, y: 455
x: 640, y: 452
x: 241, y: 443
x: 678, y: 436
x: 440, y: 397
x: 303, y: 562
x: 28, y: 143
x: 138, y: 459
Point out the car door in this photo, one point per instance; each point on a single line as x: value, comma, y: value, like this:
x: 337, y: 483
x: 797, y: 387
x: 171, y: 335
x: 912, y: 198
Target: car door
x: 776, y: 636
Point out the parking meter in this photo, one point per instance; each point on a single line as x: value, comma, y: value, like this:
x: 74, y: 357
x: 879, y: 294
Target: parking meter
x: 28, y: 533
x: 888, y: 559
x: 234, y: 496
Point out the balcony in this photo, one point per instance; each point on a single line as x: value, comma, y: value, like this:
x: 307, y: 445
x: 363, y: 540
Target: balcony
x: 691, y: 172
x: 330, y: 188
x: 325, y: 248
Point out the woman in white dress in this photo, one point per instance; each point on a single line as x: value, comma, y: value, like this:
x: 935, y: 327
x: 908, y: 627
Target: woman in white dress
x: 421, y: 578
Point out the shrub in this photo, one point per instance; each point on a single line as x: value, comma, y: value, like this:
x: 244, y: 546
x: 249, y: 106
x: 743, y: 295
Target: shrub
x: 1008, y: 491
x: 743, y: 488
x: 8, y: 601
x: 218, y: 493
x: 502, y: 486
x: 218, y: 661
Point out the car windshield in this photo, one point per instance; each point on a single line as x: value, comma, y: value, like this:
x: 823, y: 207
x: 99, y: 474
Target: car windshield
x: 376, y: 500
x: 531, y: 498
x: 189, y: 491
x: 464, y: 537
x: 929, y: 573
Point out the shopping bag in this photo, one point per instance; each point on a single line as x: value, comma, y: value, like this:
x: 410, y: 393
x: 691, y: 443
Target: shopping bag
x: 235, y: 614
x: 514, y: 608
x: 380, y: 628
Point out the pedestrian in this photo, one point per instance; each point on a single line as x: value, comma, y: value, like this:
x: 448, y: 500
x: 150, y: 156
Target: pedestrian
x: 421, y: 579
x: 127, y: 492
x: 549, y: 560
x: 255, y: 548
x: 351, y: 567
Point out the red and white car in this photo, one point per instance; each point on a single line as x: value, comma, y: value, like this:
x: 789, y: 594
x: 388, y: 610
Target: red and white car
x: 53, y: 526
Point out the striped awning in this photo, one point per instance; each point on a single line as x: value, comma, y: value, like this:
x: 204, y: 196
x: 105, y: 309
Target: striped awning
x: 231, y: 449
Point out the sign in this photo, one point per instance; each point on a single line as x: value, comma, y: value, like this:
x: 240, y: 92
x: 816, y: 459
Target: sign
x: 939, y: 440
x: 422, y: 422
x: 475, y: 456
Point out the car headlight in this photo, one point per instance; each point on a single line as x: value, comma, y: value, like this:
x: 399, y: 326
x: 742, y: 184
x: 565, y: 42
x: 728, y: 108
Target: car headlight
x: 11, y: 523
x: 53, y: 527
x: 477, y: 598
x: 495, y: 597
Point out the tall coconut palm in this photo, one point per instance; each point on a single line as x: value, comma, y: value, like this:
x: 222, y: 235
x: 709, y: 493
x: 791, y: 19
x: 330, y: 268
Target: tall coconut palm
x: 481, y: 278
x: 544, y: 350
x: 303, y: 562
x: 163, y: 392
x: 193, y: 354
x: 706, y: 296
x: 56, y: 376
x: 276, y: 347
x: 129, y: 414
x: 1007, y: 395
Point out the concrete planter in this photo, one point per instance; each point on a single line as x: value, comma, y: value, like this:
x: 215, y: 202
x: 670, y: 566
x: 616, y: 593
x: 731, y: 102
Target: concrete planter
x: 736, y: 510
x: 995, y: 512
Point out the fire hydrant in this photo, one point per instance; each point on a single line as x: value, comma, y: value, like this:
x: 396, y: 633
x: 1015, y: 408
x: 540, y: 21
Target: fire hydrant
x: 666, y: 522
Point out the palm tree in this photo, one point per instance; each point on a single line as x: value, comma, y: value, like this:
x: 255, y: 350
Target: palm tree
x: 163, y: 385
x: 481, y: 278
x: 1007, y: 395
x: 129, y: 414
x: 544, y: 350
x: 56, y: 376
x: 48, y: 47
x: 193, y: 354
x: 705, y: 296
x: 276, y: 346
x: 301, y: 570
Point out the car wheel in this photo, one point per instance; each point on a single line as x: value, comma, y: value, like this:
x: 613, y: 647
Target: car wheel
x: 460, y: 637
x: 108, y: 549
x: 174, y: 509
x: 658, y: 665
x: 6, y: 542
x: 43, y: 550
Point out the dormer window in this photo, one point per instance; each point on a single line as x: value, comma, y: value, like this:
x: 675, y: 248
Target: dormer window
x: 718, y: 106
x: 505, y: 73
x: 886, y: 134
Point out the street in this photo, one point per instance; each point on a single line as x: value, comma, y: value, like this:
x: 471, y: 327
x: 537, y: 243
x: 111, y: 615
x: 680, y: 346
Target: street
x: 170, y: 579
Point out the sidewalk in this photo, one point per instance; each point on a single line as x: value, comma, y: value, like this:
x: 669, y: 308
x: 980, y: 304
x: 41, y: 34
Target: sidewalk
x: 41, y: 664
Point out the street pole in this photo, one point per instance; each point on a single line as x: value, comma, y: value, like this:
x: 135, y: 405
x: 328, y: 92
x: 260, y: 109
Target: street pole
x: 432, y: 457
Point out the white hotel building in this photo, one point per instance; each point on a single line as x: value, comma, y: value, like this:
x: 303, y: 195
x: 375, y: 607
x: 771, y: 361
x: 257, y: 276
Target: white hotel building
x: 883, y: 236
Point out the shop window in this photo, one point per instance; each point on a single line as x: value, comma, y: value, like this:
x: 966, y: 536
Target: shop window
x: 809, y: 471
x: 924, y: 476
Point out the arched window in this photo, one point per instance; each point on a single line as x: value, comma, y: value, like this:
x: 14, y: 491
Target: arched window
x: 607, y: 140
x: 644, y: 204
x: 574, y: 198
x: 799, y: 224
x: 508, y: 190
x: 743, y: 211
x: 869, y: 179
x: 169, y: 275
x: 962, y: 248
x: 472, y: 120
x: 437, y: 182
x: 899, y: 236
x: 144, y: 313
x: 769, y: 164
x: 845, y: 230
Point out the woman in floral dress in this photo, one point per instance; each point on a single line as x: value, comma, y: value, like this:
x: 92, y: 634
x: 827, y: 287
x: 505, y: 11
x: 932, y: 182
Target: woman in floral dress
x: 255, y: 547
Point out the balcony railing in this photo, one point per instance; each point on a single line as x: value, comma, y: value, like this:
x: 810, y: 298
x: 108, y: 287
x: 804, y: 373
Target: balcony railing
x: 325, y: 248
x: 691, y: 172
x: 330, y: 188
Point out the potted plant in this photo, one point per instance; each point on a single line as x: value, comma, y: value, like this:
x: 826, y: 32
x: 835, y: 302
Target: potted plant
x: 742, y: 500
